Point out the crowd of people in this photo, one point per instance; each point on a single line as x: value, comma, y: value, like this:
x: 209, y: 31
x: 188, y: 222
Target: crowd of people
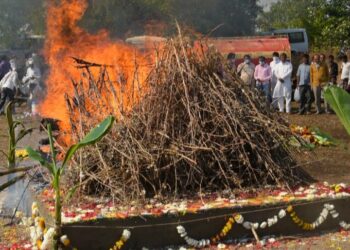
x: 10, y: 83
x: 274, y: 79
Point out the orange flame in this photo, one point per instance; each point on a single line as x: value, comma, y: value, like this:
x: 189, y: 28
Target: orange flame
x: 65, y: 39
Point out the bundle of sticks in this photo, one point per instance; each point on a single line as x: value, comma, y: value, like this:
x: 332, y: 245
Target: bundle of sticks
x: 189, y: 130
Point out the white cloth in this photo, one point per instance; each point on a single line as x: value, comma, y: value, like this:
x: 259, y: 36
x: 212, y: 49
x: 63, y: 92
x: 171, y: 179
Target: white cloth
x: 10, y: 80
x: 283, y: 71
x: 345, y: 72
x: 283, y: 91
x: 273, y: 65
x: 288, y: 99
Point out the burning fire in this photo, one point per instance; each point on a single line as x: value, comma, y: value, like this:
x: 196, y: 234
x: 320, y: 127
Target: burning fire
x: 65, y: 39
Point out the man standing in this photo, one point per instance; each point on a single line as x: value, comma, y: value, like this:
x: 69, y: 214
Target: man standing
x: 303, y: 78
x: 32, y: 80
x: 319, y: 77
x: 231, y: 63
x: 345, y: 72
x: 333, y: 70
x: 263, y: 77
x: 275, y: 61
x: 246, y: 71
x: 8, y: 85
x: 333, y: 76
x: 230, y: 69
x: 283, y: 89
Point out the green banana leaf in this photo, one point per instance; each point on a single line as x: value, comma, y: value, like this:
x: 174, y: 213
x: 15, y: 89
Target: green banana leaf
x: 94, y: 136
x: 34, y: 155
x: 339, y: 100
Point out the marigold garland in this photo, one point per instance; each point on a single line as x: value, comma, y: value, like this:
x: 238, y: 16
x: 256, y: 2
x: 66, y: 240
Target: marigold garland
x: 224, y: 231
x: 123, y: 239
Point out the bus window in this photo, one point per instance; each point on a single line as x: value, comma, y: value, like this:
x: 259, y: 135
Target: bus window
x: 296, y: 37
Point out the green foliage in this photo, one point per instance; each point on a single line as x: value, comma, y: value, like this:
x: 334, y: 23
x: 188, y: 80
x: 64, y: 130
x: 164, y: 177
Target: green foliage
x: 127, y: 18
x: 339, y: 100
x: 13, y: 139
x: 326, y: 21
x: 12, y: 145
x: 15, y: 14
x: 56, y: 170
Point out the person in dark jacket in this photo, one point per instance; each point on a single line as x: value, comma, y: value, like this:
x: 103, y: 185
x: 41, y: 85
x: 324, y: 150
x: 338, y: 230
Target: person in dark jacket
x: 333, y: 70
x: 5, y: 66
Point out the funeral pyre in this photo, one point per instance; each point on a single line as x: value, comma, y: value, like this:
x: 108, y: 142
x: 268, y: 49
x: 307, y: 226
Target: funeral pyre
x: 191, y: 131
x: 184, y: 126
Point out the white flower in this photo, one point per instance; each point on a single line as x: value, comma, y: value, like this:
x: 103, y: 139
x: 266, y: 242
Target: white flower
x: 282, y: 213
x: 275, y: 219
x: 33, y: 235
x: 126, y: 234
x: 263, y: 225
x: 255, y: 225
x: 34, y: 205
x: 239, y: 219
x: 221, y: 246
x: 64, y: 240
x: 329, y: 206
x: 180, y: 229
x: 35, y: 212
x: 48, y: 240
x: 335, y: 215
x: 247, y: 225
x: 272, y: 240
x: 270, y: 222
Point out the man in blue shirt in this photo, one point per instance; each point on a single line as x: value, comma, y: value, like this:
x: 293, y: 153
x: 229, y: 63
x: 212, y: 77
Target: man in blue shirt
x: 303, y: 76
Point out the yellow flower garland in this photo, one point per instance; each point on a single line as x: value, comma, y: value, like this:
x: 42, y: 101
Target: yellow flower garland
x: 123, y: 239
x: 304, y: 225
x: 225, y: 230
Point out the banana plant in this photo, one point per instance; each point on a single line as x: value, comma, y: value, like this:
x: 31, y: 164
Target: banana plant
x: 339, y: 100
x: 12, y: 145
x: 56, y: 170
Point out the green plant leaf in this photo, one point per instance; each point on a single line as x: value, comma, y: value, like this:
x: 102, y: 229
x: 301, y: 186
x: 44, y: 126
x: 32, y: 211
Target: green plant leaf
x: 8, y: 112
x: 23, y: 133
x: 34, y: 155
x: 94, y: 136
x: 339, y: 100
x: 70, y: 193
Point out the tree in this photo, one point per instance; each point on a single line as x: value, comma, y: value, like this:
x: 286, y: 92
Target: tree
x: 327, y: 21
x: 18, y: 18
x: 125, y: 18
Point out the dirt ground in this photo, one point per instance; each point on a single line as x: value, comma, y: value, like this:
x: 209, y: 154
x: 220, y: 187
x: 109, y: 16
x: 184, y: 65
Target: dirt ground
x: 331, y: 164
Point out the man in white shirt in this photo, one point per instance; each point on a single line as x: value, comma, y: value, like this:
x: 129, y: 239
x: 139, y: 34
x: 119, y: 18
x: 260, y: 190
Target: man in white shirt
x: 283, y: 89
x: 275, y: 61
x: 345, y: 72
x: 8, y: 85
x: 31, y: 80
